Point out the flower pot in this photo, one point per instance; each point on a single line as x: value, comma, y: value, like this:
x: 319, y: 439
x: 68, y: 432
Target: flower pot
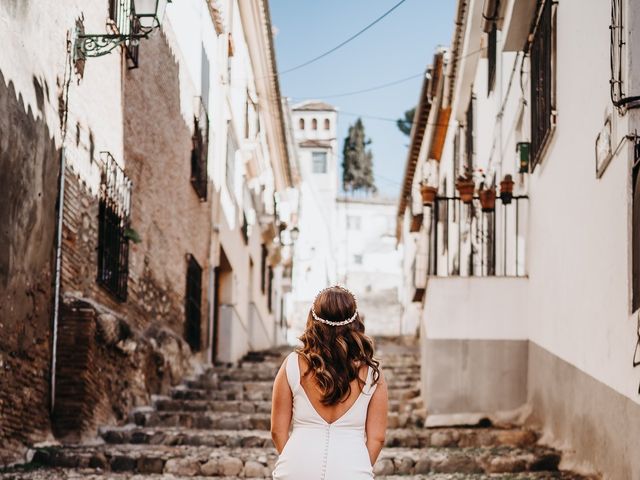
x: 466, y: 187
x: 488, y: 199
x: 428, y: 194
x: 506, y: 189
x: 416, y: 223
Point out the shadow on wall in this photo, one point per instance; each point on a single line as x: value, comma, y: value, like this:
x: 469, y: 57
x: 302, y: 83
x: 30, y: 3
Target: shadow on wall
x: 29, y: 170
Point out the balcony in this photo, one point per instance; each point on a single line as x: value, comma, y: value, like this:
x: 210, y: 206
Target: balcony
x: 474, y: 323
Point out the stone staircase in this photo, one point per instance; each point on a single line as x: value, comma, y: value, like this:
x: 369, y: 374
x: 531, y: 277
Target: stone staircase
x: 217, y: 425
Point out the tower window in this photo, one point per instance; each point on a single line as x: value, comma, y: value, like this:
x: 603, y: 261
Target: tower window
x: 327, y: 124
x: 314, y: 124
x: 319, y: 162
x: 301, y: 123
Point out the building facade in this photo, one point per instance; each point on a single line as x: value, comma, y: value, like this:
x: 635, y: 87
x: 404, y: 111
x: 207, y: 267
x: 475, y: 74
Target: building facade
x: 315, y: 263
x: 369, y: 261
x: 526, y: 292
x: 145, y: 196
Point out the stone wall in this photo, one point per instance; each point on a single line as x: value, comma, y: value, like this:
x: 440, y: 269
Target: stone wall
x: 29, y: 166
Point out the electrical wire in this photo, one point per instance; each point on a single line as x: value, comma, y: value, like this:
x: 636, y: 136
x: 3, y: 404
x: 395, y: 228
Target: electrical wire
x: 343, y: 43
x: 366, y: 90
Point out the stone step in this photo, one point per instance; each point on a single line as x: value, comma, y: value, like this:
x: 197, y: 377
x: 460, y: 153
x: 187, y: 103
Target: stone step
x: 252, y: 462
x: 260, y: 394
x: 163, y: 403
x: 90, y: 474
x: 396, y: 438
x: 201, y: 420
x: 265, y: 386
x: 501, y: 459
x: 252, y: 375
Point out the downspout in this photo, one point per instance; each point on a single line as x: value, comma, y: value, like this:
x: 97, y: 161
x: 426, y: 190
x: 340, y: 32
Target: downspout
x: 60, y: 216
x: 58, y: 275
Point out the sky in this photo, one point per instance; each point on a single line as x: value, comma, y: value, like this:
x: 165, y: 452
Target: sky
x: 399, y: 46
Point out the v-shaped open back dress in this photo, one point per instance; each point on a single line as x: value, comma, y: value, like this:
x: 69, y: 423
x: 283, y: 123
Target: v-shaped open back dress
x: 317, y: 450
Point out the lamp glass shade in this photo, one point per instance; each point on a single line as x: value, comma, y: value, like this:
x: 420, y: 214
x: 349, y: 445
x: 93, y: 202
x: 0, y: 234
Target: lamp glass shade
x: 150, y: 13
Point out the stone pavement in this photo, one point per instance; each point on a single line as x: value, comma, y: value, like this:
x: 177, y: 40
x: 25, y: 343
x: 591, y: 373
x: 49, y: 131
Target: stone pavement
x: 217, y: 425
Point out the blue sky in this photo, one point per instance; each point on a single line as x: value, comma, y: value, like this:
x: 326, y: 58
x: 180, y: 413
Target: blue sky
x: 400, y: 45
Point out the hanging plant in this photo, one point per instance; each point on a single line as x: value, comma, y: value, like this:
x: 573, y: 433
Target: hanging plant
x: 428, y: 193
x: 506, y: 189
x: 466, y: 186
x: 131, y: 233
x: 488, y: 199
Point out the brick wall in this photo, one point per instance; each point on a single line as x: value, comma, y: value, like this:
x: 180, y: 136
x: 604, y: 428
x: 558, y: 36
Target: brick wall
x: 29, y: 163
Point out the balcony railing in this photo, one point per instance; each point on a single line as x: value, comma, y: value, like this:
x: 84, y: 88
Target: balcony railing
x: 464, y: 240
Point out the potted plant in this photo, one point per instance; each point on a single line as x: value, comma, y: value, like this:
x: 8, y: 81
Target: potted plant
x: 487, y: 198
x: 466, y: 186
x: 506, y: 189
x: 428, y: 193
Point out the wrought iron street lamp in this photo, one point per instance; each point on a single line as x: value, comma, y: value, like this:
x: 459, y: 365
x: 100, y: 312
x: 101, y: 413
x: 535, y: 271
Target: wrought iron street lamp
x: 133, y: 20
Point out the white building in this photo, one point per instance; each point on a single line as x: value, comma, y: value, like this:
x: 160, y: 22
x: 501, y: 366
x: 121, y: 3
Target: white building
x: 534, y: 306
x: 369, y: 261
x: 315, y: 262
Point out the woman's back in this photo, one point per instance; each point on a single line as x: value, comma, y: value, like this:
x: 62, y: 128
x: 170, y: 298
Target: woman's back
x: 331, y: 396
x: 327, y: 442
x: 330, y: 413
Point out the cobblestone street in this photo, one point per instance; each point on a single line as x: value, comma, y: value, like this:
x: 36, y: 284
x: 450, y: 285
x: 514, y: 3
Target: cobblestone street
x: 217, y: 425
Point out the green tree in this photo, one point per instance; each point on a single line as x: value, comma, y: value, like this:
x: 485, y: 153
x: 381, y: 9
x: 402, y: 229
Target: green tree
x: 357, y: 161
x: 404, y: 124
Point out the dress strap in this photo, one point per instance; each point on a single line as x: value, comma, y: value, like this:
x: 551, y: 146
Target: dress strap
x: 369, y: 387
x: 293, y: 372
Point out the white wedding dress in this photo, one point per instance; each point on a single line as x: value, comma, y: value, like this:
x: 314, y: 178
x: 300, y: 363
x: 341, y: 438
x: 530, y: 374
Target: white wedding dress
x: 317, y: 450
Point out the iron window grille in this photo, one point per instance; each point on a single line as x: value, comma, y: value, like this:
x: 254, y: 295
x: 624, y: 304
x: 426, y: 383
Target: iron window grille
x: 270, y: 290
x: 492, y: 57
x: 245, y: 228
x: 114, y: 208
x: 635, y: 258
x: 542, y: 83
x: 199, y: 154
x: 125, y: 22
x: 263, y: 267
x: 469, y: 134
x: 193, y: 304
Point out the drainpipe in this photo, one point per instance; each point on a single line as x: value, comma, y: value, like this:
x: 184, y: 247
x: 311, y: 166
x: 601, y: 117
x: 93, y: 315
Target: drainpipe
x: 58, y: 275
x: 60, y: 213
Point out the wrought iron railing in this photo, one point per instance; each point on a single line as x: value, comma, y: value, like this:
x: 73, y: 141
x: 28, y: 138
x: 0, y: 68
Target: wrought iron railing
x: 125, y: 22
x: 200, y: 153
x: 542, y: 71
x: 464, y: 240
x: 114, y: 208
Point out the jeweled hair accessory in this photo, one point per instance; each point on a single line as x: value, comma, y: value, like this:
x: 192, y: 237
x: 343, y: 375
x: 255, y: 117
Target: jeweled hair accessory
x: 328, y: 322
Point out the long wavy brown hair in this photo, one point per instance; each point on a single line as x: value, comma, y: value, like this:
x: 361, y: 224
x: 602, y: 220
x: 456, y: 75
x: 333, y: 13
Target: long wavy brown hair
x: 335, y: 354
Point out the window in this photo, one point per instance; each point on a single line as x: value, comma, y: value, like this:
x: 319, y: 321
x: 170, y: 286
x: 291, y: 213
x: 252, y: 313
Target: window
x: 263, y: 267
x: 301, y: 123
x: 113, y: 228
x: 353, y: 222
x: 469, y: 136
x: 314, y: 124
x: 492, y: 58
x: 199, y: 154
x: 357, y: 259
x: 635, y: 258
x: 270, y: 289
x: 542, y: 108
x: 232, y: 148
x: 193, y: 304
x: 120, y: 13
x: 319, y: 162
x: 327, y: 124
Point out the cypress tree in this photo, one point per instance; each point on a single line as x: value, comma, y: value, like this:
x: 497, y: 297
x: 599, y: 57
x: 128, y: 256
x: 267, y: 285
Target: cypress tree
x: 357, y: 161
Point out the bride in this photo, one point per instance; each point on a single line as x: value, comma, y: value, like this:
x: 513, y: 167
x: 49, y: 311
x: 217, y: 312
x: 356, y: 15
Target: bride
x: 332, y: 392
